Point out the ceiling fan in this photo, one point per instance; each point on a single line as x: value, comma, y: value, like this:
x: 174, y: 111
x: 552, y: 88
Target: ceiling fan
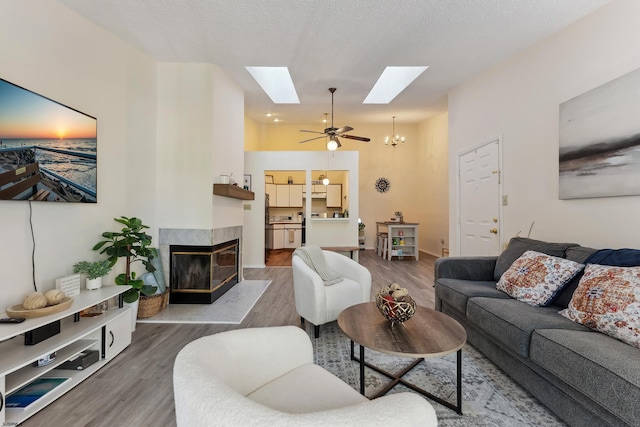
x: 333, y: 133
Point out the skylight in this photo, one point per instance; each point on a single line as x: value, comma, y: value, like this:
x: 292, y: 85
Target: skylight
x: 276, y: 82
x: 391, y: 82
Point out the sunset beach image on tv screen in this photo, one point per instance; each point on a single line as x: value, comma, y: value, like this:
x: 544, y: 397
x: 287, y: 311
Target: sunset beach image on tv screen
x: 48, y: 151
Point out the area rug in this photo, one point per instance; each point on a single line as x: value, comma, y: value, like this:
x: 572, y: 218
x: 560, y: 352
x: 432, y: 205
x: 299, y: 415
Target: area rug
x: 490, y: 397
x: 231, y: 308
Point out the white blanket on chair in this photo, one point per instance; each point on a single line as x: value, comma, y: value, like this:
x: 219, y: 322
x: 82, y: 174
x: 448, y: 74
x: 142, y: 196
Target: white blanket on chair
x: 312, y: 256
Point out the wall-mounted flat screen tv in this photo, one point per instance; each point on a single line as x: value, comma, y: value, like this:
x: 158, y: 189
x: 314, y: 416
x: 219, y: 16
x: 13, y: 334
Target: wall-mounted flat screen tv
x: 48, y: 151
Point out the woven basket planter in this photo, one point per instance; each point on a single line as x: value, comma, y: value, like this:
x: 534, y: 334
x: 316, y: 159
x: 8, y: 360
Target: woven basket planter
x: 151, y: 305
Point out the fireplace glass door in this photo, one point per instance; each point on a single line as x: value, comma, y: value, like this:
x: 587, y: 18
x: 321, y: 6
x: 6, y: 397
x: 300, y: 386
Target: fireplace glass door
x: 202, y: 274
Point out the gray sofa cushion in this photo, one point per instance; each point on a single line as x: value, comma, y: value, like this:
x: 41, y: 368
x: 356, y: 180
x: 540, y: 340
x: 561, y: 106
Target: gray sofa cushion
x: 466, y: 268
x: 457, y: 292
x: 579, y: 253
x: 519, y: 245
x: 595, y: 364
x: 511, y: 322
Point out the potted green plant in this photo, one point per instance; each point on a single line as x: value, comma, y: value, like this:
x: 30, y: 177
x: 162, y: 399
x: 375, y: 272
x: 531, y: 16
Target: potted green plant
x: 134, y: 244
x: 94, y: 272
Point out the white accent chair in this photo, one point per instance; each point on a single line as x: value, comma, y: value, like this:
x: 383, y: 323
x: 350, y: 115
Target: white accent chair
x: 266, y: 377
x: 319, y: 304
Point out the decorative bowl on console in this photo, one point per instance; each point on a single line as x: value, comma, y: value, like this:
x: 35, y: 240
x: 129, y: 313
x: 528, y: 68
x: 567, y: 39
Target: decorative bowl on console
x: 395, y: 304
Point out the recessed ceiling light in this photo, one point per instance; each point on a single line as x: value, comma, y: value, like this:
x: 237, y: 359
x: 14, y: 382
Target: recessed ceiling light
x: 391, y: 82
x: 276, y: 120
x: 276, y: 82
x: 268, y: 114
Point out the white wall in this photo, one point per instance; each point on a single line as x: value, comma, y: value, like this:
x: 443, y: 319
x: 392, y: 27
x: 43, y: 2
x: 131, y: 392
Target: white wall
x: 228, y: 143
x: 323, y: 233
x: 52, y: 51
x: 519, y: 100
x: 200, y: 136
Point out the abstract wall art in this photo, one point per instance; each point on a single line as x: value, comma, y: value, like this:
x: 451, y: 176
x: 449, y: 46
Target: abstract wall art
x: 600, y: 141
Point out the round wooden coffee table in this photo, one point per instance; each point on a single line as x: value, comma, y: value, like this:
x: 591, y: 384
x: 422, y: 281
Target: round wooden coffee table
x: 428, y: 333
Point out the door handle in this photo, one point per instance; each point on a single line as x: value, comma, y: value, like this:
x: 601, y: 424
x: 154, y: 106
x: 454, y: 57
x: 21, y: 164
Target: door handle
x: 493, y: 231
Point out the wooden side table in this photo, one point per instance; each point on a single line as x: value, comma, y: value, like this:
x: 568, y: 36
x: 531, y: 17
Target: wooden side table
x: 428, y: 333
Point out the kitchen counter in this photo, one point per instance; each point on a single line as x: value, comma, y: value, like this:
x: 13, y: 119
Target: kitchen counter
x: 290, y: 221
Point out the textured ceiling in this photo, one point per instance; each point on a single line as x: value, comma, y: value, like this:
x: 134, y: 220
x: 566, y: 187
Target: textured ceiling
x: 338, y: 43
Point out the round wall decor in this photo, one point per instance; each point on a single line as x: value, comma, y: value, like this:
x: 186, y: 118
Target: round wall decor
x: 382, y: 185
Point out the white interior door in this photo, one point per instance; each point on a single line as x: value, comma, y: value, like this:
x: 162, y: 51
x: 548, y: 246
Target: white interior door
x: 479, y: 189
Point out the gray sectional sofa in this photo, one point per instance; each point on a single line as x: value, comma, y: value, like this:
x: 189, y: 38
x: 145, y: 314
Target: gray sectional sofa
x: 585, y: 377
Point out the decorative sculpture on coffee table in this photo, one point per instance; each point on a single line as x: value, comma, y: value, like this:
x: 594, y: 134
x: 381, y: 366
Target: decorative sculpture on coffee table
x: 395, y: 304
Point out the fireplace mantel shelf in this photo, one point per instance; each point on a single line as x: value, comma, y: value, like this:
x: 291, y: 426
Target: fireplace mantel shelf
x: 233, y: 191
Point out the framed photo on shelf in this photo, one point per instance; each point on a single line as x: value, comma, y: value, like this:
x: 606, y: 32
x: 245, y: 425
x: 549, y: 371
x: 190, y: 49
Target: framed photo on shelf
x: 247, y: 182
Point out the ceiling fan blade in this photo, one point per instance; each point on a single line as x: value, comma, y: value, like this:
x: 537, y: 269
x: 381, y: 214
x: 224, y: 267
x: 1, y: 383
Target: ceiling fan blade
x: 311, y: 131
x: 312, y: 139
x: 359, y: 138
x: 344, y: 129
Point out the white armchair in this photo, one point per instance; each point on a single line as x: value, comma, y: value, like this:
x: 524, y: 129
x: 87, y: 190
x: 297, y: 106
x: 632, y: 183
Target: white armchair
x: 266, y: 377
x: 320, y: 304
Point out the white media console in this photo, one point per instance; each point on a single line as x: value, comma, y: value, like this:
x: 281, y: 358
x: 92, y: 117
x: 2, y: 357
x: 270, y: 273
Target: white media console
x: 108, y: 333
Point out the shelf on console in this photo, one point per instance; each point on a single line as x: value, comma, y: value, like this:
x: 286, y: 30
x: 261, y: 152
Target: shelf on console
x: 28, y: 373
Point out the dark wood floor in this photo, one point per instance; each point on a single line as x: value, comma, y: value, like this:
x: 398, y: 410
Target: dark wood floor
x: 279, y: 257
x: 136, y: 388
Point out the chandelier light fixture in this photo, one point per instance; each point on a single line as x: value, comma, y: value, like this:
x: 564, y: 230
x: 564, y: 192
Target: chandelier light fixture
x: 395, y: 139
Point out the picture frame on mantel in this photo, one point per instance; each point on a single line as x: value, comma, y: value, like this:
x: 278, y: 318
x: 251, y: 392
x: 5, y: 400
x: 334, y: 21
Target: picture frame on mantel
x: 247, y: 182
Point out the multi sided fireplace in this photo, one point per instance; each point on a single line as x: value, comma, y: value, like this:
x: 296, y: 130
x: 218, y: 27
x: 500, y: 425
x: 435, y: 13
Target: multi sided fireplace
x: 202, y: 274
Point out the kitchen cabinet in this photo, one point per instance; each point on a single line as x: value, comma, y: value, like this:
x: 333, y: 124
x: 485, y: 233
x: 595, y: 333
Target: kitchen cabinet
x: 295, y: 195
x: 270, y: 189
x: 292, y: 236
x: 282, y: 196
x: 277, y: 240
x: 334, y: 196
x: 286, y: 195
x: 285, y: 236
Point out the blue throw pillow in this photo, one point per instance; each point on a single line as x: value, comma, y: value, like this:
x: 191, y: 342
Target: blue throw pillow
x: 615, y: 257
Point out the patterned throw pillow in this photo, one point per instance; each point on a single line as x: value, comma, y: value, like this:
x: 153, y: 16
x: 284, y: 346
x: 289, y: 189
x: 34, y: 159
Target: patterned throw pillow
x: 535, y: 277
x: 608, y: 300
